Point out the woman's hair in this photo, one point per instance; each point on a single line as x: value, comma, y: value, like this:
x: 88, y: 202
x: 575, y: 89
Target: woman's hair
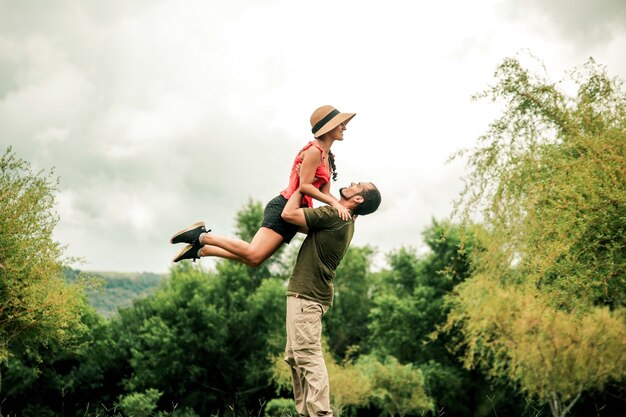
x: 371, y: 201
x: 333, y: 168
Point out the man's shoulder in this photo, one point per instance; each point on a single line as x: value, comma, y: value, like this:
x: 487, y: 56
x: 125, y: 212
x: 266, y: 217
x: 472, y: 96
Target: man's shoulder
x: 324, y: 216
x: 324, y: 211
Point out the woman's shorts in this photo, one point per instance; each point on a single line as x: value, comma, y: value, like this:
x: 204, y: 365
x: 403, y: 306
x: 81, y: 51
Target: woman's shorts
x: 272, y: 219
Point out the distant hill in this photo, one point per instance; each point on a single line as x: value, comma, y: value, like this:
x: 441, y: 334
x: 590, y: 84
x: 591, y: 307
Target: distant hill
x: 117, y: 289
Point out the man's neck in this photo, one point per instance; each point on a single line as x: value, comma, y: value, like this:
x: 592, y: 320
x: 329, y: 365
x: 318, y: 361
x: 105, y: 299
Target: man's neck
x: 346, y: 204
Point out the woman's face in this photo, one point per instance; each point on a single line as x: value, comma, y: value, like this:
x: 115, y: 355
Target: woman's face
x: 337, y: 133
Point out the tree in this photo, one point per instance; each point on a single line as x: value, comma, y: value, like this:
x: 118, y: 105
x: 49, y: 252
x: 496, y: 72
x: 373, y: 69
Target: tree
x: 37, y: 306
x: 54, y: 378
x: 205, y: 338
x: 408, y: 308
x: 549, y: 354
x: 548, y: 181
x: 140, y: 404
x: 280, y: 407
x: 408, y: 305
x: 397, y: 389
x: 202, y: 341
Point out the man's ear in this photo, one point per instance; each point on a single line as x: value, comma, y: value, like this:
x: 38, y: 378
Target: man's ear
x: 358, y: 199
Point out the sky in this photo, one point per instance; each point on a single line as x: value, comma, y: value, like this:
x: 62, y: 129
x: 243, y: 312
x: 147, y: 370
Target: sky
x: 156, y: 114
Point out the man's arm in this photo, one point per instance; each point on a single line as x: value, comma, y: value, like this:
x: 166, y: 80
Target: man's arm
x: 293, y: 213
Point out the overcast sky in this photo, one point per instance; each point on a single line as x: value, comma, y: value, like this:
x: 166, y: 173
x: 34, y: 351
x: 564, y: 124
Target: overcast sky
x: 159, y: 113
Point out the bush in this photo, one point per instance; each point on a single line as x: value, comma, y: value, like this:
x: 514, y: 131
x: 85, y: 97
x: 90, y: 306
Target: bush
x: 281, y: 407
x: 140, y: 404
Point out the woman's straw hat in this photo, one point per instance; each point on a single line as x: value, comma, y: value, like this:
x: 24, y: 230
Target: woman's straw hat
x: 326, y: 118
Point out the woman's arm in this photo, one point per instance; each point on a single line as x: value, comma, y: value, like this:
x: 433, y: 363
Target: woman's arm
x: 293, y: 213
x: 310, y: 161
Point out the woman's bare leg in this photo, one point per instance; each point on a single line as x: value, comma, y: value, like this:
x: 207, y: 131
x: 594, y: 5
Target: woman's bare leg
x: 208, y: 250
x: 263, y: 245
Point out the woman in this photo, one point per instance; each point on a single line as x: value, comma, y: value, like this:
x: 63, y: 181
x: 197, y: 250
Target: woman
x: 311, y: 171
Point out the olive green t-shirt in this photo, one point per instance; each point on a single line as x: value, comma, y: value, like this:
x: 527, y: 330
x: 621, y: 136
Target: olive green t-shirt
x: 321, y: 252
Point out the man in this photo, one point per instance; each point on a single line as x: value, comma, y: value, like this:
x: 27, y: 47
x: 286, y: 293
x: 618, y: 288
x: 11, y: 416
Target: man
x: 310, y: 289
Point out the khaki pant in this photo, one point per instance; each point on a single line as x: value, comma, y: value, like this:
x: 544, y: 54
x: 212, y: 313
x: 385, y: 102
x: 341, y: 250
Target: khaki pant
x: 303, y: 353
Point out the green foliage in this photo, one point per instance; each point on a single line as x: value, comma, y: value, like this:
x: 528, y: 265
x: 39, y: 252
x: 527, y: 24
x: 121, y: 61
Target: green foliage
x: 397, y: 389
x: 202, y: 345
x: 448, y: 261
x: 408, y: 309
x: 409, y: 305
x: 349, y: 385
x: 36, y: 304
x: 400, y: 325
x: 205, y: 338
x: 281, y: 407
x: 447, y: 386
x: 548, y: 180
x: 139, y: 404
x: 184, y: 412
x: 404, y: 273
x: 41, y: 380
x: 551, y: 355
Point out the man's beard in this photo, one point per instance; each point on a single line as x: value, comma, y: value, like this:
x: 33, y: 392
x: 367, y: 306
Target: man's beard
x: 342, y: 194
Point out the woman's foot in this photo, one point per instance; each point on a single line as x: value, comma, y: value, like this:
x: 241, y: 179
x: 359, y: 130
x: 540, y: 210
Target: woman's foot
x: 189, y: 252
x: 190, y: 234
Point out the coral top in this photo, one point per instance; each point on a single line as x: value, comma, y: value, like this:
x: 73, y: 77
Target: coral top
x: 322, y: 176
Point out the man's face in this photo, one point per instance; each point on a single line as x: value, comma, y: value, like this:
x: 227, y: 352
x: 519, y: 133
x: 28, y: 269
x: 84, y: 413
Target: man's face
x: 354, y: 189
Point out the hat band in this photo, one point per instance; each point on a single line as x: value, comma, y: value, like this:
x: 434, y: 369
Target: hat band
x: 325, y: 120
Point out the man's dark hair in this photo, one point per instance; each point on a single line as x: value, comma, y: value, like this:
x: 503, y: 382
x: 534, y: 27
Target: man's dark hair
x: 371, y: 201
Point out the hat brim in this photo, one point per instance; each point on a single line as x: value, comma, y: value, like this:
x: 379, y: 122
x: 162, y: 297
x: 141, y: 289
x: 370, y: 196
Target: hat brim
x: 334, y: 122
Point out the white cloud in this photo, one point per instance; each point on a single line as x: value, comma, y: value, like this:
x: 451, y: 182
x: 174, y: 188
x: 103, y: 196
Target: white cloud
x: 578, y: 21
x: 161, y: 113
